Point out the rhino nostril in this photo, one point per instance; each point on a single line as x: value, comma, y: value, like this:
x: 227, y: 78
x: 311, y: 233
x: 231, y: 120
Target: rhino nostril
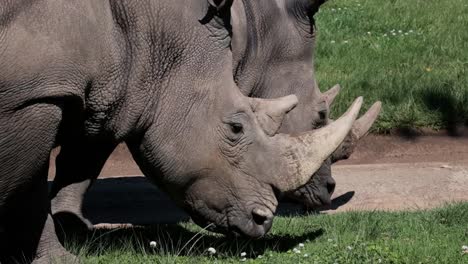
x: 262, y: 217
x: 331, y: 187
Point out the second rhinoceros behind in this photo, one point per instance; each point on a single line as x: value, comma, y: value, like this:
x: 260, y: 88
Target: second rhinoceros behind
x: 273, y: 48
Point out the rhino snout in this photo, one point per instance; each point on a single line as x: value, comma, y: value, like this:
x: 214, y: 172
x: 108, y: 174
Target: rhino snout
x: 255, y: 226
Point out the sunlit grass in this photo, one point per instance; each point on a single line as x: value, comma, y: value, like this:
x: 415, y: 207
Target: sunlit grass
x: 435, y: 236
x: 410, y: 54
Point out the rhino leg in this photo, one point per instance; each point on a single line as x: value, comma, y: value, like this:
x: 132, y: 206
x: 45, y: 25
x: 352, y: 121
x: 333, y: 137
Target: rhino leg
x: 50, y: 250
x: 27, y: 135
x: 78, y: 165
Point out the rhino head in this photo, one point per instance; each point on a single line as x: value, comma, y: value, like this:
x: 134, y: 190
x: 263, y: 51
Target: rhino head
x: 217, y: 152
x: 273, y: 43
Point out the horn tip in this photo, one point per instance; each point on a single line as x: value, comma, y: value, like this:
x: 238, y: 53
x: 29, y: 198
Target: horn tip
x: 336, y: 87
x: 359, y: 100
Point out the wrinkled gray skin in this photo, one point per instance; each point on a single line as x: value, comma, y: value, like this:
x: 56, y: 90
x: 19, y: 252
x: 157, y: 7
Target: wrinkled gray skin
x: 273, y: 43
x: 156, y: 74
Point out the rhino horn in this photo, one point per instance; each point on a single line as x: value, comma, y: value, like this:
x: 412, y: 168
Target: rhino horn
x: 330, y: 95
x: 306, y: 152
x: 270, y: 112
x: 363, y: 124
x: 360, y: 129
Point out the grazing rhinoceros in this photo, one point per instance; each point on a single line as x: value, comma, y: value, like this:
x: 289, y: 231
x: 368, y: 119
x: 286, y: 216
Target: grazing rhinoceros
x: 273, y: 56
x: 156, y: 74
x: 272, y: 44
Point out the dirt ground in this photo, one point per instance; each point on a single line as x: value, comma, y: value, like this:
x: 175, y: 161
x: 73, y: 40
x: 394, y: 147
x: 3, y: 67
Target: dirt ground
x: 402, y: 172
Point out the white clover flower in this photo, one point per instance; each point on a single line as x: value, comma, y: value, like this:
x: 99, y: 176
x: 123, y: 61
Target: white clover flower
x: 394, y: 34
x: 243, y: 254
x: 332, y: 42
x: 153, y: 244
x: 349, y: 247
x: 345, y: 42
x: 306, y: 255
x: 259, y: 256
x: 385, y: 35
x: 464, y: 247
x: 368, y: 33
x: 333, y: 9
x: 243, y: 259
x: 358, y: 4
x: 297, y: 251
x: 379, y: 260
x: 399, y: 31
x: 301, y: 245
x: 406, y: 34
x: 411, y: 31
x: 330, y: 240
x: 211, y: 250
x: 339, y: 9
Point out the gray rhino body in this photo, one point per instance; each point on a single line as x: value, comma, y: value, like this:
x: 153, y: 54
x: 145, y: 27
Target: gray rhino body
x: 156, y: 74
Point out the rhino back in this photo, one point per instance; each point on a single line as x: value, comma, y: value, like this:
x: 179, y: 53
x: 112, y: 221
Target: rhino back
x: 52, y: 49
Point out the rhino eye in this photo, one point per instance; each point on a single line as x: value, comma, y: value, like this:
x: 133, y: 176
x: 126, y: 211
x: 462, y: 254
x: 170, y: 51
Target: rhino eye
x: 236, y: 128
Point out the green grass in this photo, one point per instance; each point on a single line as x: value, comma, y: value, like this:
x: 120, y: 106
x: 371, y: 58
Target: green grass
x: 419, y: 70
x: 435, y: 236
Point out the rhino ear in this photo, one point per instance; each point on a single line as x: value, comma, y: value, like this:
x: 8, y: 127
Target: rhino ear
x: 270, y: 112
x: 221, y: 4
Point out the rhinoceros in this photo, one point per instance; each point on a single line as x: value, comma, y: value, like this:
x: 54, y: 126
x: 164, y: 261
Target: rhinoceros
x: 157, y: 75
x: 272, y: 45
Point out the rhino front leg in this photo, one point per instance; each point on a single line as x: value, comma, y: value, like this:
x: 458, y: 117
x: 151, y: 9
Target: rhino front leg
x: 50, y: 250
x: 27, y: 135
x: 78, y: 165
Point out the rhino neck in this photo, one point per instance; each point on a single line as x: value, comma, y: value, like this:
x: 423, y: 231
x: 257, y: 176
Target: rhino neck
x: 246, y: 43
x: 158, y: 47
x: 272, y: 58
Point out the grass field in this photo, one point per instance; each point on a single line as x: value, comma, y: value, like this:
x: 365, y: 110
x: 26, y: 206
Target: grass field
x: 435, y: 236
x: 410, y: 54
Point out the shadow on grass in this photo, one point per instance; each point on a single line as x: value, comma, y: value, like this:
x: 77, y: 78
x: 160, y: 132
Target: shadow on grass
x: 135, y: 201
x: 178, y: 240
x: 452, y: 107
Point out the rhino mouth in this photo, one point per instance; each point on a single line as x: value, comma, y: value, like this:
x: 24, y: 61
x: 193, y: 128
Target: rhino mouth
x: 239, y: 223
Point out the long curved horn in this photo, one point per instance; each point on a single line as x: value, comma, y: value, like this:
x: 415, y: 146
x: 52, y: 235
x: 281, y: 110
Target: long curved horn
x: 306, y: 152
x: 364, y: 123
x: 330, y: 95
x: 360, y: 129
